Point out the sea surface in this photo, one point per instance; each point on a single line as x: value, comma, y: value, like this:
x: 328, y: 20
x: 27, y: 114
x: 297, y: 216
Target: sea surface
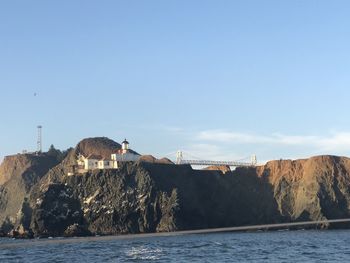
x: 274, y: 246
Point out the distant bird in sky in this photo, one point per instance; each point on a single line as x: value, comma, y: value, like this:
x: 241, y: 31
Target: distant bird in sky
x: 35, y: 94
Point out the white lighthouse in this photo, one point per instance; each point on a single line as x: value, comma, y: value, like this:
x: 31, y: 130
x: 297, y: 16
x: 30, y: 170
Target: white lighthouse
x: 125, y: 146
x: 125, y: 154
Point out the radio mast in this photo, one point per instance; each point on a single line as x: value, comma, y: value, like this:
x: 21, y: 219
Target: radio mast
x: 39, y: 142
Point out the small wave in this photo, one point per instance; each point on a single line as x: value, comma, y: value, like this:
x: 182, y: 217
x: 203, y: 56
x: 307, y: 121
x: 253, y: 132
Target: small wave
x: 144, y: 253
x: 282, y: 230
x: 200, y: 245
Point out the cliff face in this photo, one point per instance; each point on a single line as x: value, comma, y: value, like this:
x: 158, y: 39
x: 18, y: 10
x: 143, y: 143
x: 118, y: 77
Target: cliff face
x: 315, y: 188
x: 19, y: 173
x: 16, y: 165
x: 151, y: 196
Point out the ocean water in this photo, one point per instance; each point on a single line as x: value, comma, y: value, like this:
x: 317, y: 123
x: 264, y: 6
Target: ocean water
x: 276, y: 246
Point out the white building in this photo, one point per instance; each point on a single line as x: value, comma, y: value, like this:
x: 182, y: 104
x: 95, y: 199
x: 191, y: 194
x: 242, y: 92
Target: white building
x: 93, y: 161
x: 124, y: 154
x: 105, y: 164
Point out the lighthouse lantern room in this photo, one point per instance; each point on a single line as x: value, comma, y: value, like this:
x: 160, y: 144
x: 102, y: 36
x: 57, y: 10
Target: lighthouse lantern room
x: 125, y: 146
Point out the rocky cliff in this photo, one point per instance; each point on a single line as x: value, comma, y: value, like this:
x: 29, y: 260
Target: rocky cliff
x: 18, y: 174
x: 151, y: 197
x: 315, y: 188
x: 157, y: 196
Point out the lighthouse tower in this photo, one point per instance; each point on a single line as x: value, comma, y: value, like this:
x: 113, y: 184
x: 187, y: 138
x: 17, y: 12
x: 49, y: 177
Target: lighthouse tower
x: 124, y: 155
x: 125, y: 146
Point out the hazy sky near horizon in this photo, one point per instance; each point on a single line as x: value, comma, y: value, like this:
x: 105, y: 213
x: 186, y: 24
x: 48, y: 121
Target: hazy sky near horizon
x: 218, y: 79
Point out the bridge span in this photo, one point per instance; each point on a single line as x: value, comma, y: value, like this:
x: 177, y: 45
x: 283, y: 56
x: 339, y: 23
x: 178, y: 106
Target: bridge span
x: 180, y: 160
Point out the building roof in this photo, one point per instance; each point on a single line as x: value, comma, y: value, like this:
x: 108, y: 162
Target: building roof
x: 119, y: 151
x: 125, y: 141
x: 94, y: 157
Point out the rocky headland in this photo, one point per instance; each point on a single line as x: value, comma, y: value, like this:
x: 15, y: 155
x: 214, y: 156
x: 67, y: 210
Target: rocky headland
x: 39, y: 199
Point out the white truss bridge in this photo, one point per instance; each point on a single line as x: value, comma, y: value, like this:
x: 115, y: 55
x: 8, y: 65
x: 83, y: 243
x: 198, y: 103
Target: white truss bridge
x: 181, y: 160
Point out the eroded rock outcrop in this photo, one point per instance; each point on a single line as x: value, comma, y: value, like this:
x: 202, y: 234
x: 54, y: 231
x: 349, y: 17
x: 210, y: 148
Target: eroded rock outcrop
x: 310, y: 189
x: 20, y: 173
x: 55, y: 209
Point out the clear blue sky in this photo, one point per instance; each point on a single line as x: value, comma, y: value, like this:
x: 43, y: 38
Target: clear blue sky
x: 220, y: 79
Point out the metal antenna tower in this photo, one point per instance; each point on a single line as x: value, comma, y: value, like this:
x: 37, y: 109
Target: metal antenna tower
x: 39, y: 142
